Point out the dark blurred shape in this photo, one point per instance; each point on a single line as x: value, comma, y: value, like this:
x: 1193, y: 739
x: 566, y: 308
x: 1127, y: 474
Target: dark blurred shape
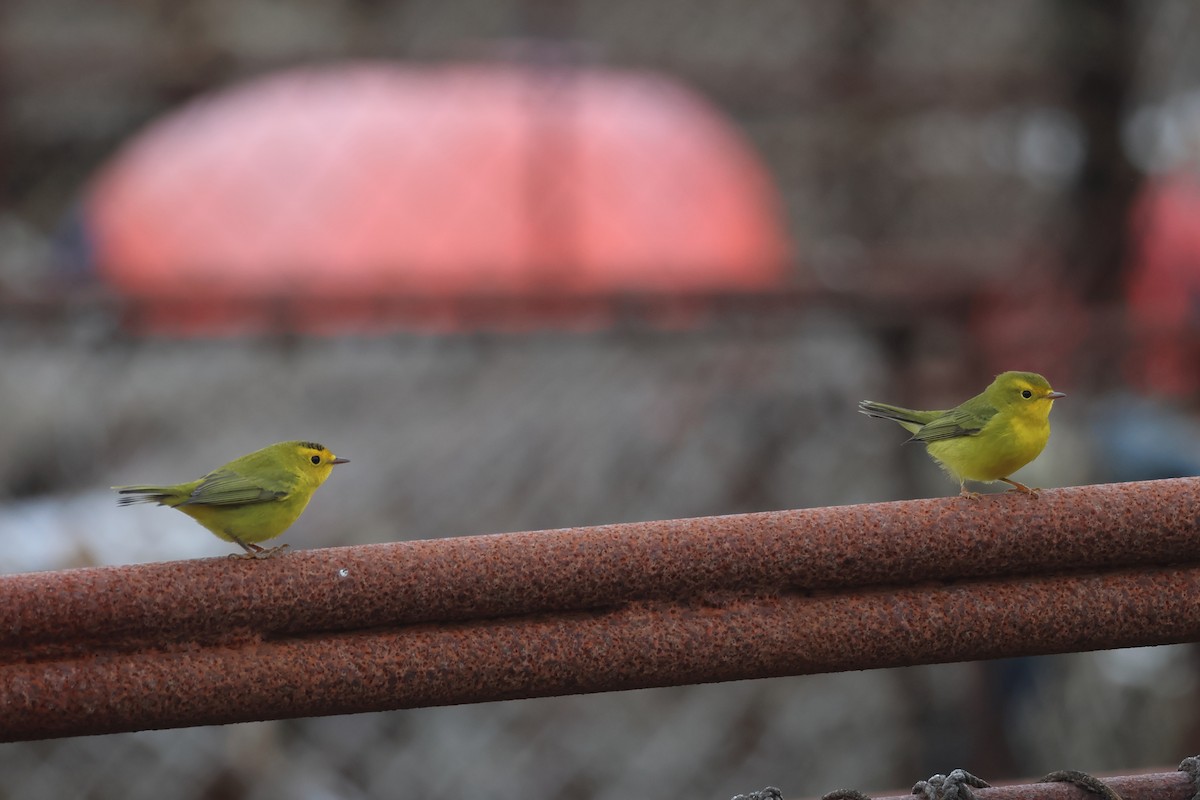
x: 1040, y: 310
x: 1097, y: 50
x: 1033, y: 322
x: 355, y: 182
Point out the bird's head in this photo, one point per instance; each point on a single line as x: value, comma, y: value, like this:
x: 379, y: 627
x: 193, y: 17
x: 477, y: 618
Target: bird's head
x: 313, y: 461
x: 1027, y: 393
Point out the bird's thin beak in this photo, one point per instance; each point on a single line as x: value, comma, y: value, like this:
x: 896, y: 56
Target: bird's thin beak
x: 1051, y: 396
x: 340, y: 461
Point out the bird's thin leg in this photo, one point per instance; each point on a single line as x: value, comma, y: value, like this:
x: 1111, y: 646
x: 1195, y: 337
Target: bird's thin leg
x: 963, y: 491
x: 253, y: 550
x: 1020, y: 487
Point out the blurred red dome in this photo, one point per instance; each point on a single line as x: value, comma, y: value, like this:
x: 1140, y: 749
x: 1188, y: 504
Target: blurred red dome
x: 372, y: 180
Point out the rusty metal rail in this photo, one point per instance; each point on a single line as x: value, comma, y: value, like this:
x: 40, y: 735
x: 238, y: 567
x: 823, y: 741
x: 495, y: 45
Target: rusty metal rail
x: 1178, y: 785
x: 597, y: 609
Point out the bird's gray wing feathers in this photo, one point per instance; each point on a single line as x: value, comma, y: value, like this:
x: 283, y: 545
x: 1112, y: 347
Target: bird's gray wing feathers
x: 953, y: 424
x: 226, y: 488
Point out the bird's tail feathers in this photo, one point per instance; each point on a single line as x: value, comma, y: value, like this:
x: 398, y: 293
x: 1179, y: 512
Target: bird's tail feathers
x: 896, y: 413
x: 912, y: 421
x: 142, y: 494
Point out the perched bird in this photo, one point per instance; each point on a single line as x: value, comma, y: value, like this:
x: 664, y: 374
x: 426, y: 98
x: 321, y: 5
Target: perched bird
x: 988, y: 437
x: 250, y: 499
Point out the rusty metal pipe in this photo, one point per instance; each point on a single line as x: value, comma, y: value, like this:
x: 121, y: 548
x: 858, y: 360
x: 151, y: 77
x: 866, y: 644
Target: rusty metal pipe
x: 640, y: 644
x: 1074, y: 529
x: 1154, y: 786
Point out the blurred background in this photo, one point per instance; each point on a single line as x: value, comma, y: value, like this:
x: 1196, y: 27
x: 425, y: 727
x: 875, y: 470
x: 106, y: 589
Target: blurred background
x: 532, y: 264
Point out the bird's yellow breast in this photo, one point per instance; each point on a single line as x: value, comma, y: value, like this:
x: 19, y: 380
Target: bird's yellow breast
x: 254, y: 522
x: 1009, y: 441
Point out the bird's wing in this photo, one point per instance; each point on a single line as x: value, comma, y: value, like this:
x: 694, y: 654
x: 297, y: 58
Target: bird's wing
x: 228, y: 488
x: 955, y: 423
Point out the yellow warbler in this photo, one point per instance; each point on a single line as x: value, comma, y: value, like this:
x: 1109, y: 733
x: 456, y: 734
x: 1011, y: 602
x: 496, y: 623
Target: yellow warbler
x: 988, y: 437
x: 250, y: 499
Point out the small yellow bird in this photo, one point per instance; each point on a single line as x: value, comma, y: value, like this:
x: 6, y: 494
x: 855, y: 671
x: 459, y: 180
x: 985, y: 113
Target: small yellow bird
x: 988, y: 437
x: 250, y: 499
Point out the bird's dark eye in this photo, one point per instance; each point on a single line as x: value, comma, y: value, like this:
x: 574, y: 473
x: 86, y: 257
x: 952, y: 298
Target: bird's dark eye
x: 315, y: 459
x: 1024, y: 393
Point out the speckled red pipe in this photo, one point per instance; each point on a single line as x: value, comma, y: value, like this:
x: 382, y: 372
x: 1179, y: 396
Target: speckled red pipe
x: 597, y: 609
x: 641, y: 644
x: 1090, y: 527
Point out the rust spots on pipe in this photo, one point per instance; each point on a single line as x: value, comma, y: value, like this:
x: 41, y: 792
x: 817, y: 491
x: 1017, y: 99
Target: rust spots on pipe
x: 1092, y: 527
x: 598, y: 609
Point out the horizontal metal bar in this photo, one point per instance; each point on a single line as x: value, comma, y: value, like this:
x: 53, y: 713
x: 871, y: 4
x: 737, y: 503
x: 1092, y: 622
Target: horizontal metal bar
x: 1153, y: 786
x: 348, y: 588
x: 642, y: 644
x: 587, y: 610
